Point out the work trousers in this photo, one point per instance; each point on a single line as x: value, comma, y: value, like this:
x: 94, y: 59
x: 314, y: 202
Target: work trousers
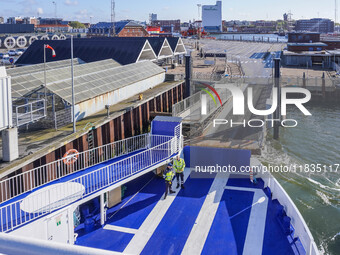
x: 180, y: 175
x: 168, y: 188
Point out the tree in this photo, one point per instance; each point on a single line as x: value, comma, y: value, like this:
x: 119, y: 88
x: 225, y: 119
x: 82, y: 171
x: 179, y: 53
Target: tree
x: 76, y: 24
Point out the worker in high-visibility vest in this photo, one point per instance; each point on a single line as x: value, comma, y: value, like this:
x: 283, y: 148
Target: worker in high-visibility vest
x: 168, y: 176
x: 179, y: 166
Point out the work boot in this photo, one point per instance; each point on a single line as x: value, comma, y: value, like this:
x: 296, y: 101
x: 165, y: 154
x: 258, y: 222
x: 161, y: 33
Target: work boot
x: 177, y: 186
x: 182, y: 186
x: 171, y: 191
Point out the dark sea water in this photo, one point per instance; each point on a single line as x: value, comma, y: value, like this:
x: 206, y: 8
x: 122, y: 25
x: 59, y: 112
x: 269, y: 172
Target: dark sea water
x: 316, y: 140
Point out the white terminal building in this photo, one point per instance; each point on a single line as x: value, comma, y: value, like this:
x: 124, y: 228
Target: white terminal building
x: 212, y: 17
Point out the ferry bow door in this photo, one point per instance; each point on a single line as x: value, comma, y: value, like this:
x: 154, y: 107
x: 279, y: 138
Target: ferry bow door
x: 58, y: 227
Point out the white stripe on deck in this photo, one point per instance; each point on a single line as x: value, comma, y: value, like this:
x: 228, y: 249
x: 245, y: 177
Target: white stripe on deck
x: 120, y: 229
x: 257, y: 222
x: 144, y: 233
x: 205, y: 218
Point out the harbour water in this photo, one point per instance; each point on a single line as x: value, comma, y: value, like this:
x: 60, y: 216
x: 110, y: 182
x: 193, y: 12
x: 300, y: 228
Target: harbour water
x: 316, y: 140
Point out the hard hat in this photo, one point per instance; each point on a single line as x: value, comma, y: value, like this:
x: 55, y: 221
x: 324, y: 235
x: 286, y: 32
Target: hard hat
x: 169, y: 164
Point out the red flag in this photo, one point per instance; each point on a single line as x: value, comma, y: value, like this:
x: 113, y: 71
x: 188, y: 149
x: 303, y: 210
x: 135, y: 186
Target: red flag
x: 49, y: 47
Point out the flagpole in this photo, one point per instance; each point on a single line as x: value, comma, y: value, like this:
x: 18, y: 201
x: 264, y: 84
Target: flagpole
x: 72, y: 74
x: 45, y: 89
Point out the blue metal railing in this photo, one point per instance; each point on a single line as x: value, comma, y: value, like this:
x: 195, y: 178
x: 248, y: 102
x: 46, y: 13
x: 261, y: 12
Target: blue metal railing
x: 53, y: 197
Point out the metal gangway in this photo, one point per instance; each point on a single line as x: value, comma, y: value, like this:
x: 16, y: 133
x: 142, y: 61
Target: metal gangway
x: 51, y: 187
x: 190, y: 109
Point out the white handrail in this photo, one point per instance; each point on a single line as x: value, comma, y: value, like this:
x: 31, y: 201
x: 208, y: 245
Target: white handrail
x: 34, y: 178
x: 301, y: 229
x: 297, y: 221
x: 13, y: 245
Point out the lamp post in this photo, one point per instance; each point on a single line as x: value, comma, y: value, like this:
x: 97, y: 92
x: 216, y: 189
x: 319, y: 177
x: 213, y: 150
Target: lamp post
x: 45, y: 83
x: 55, y: 9
x: 226, y: 57
x: 307, y: 68
x: 72, y: 79
x: 199, y: 24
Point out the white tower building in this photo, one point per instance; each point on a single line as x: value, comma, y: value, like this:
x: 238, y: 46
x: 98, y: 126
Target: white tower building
x: 212, y: 17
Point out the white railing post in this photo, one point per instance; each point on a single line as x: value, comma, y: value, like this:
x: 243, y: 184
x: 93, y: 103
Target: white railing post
x: 131, y: 166
x: 108, y: 174
x: 11, y: 215
x: 16, y: 115
x: 49, y: 200
x: 31, y: 106
x: 31, y: 181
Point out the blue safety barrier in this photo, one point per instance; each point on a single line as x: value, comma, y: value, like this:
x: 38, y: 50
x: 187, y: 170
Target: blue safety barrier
x: 162, y: 125
x: 209, y: 156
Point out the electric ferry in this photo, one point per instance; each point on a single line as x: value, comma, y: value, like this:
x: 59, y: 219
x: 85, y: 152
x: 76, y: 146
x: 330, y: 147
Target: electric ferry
x: 112, y: 202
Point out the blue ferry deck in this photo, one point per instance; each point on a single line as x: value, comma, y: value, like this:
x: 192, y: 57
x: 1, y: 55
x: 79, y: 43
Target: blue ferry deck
x: 219, y: 213
x: 209, y: 216
x: 214, y: 214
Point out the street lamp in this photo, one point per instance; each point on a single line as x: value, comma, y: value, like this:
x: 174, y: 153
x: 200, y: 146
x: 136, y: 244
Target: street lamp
x: 72, y: 81
x: 226, y: 58
x: 273, y: 63
x: 200, y: 23
x: 55, y: 9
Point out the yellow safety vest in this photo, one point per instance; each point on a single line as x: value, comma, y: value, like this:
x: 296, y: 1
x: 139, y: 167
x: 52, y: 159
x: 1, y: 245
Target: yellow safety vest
x: 169, y: 176
x: 179, y: 165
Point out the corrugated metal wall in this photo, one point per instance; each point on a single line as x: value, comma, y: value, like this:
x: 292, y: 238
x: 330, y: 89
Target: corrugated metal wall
x: 5, y: 100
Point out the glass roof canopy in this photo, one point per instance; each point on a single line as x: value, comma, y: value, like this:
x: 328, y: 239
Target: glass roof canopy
x: 31, y: 79
x: 90, y: 79
x: 40, y: 67
x: 97, y: 82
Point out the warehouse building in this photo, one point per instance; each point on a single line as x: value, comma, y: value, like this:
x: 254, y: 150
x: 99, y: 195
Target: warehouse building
x: 122, y: 29
x: 16, y: 28
x: 294, y: 37
x: 168, y: 26
x: 323, y: 26
x: 104, y: 71
x: 96, y: 84
x: 124, y: 50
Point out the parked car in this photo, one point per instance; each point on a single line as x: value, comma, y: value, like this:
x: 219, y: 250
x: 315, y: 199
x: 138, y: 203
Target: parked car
x: 3, y: 55
x: 19, y: 51
x: 5, y: 61
x: 12, y: 53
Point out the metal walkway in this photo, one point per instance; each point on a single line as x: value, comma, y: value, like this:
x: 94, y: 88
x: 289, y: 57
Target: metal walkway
x: 211, y: 215
x: 47, y: 198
